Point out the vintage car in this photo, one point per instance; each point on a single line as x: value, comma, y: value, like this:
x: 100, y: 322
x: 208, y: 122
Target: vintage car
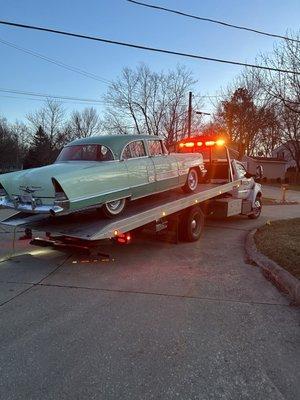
x: 103, y: 171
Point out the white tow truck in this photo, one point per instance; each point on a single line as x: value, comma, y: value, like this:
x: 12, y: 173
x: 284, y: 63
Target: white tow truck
x: 228, y: 190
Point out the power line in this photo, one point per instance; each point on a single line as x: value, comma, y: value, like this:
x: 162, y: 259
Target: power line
x: 43, y: 99
x: 58, y: 97
x: 140, y: 47
x: 214, y: 21
x: 56, y: 62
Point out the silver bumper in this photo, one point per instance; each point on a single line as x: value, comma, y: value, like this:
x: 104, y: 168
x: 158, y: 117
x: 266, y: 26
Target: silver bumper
x: 33, y: 207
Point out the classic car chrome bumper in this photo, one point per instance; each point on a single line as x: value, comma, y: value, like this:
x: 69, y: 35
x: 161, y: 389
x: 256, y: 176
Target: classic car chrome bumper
x: 34, y: 207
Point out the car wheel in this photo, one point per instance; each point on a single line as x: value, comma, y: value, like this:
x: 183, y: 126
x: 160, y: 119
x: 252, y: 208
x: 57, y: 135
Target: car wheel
x: 191, y: 181
x: 114, y: 208
x: 256, y: 211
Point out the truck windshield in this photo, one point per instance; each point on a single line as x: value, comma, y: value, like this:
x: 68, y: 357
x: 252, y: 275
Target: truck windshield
x: 86, y: 152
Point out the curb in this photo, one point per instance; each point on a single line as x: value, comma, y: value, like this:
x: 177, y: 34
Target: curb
x: 282, y: 279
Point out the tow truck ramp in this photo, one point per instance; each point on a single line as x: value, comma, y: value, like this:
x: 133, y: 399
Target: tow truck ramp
x: 90, y: 226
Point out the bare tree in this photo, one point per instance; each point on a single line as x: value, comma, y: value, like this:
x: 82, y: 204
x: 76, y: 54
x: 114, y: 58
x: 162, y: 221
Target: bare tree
x: 284, y: 88
x: 143, y: 101
x: 290, y: 133
x: 245, y: 123
x: 85, y: 123
x: 51, y: 118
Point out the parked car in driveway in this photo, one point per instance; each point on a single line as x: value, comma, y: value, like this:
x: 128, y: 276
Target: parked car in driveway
x: 103, y: 171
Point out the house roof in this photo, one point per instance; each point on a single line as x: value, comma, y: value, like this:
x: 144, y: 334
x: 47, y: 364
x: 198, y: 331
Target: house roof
x: 267, y: 159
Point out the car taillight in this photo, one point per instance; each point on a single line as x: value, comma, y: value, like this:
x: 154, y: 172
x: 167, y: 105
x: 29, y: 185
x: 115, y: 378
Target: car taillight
x: 59, y: 193
x: 60, y: 196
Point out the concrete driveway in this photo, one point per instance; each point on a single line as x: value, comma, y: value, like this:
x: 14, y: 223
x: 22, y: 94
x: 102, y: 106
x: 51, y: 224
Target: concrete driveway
x: 161, y: 321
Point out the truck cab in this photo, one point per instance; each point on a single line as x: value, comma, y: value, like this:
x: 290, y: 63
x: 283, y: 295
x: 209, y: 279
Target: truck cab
x: 222, y: 168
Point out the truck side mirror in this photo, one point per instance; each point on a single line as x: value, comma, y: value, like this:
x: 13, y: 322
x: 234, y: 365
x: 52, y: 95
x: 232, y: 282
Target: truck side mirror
x: 259, y: 172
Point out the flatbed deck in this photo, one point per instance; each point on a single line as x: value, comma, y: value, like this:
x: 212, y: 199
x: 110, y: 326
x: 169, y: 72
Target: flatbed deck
x: 90, y: 226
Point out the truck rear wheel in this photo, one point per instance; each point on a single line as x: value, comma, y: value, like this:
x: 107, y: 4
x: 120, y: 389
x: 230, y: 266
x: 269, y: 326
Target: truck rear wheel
x: 191, y: 224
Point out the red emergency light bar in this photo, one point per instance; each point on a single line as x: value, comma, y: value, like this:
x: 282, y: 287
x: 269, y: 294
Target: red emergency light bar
x: 195, y: 142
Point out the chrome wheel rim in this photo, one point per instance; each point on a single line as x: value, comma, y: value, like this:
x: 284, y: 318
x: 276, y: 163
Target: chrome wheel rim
x: 115, y: 207
x: 196, y: 225
x: 192, y: 180
x: 257, y: 207
x: 193, y: 224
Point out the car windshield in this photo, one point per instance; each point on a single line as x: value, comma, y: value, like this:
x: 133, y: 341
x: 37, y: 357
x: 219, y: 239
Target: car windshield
x: 86, y: 152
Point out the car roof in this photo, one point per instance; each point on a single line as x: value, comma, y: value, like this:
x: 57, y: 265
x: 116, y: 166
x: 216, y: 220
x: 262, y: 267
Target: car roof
x: 114, y: 142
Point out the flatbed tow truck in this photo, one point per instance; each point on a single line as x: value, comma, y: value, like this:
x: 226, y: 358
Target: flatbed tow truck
x: 229, y: 191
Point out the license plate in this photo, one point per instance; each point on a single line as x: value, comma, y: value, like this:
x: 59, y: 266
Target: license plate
x: 26, y: 198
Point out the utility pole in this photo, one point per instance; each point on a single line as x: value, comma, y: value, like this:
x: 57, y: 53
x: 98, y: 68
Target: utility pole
x: 190, y: 110
x: 190, y: 114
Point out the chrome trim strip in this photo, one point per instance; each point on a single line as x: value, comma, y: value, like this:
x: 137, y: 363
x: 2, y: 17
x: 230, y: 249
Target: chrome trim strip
x: 29, y: 207
x: 99, y: 194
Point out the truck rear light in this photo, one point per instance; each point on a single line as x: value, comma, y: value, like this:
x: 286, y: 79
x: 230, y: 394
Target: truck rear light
x: 220, y: 142
x: 210, y: 143
x: 199, y: 144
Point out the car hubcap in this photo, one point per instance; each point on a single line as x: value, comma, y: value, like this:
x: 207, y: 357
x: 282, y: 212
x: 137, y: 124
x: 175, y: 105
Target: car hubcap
x: 192, y: 180
x: 116, y: 206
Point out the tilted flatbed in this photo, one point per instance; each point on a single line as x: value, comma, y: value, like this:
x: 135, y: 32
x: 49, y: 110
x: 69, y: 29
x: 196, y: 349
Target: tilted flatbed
x: 90, y: 226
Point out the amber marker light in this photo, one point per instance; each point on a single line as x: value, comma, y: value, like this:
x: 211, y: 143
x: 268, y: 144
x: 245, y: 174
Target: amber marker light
x: 189, y: 144
x: 220, y: 142
x: 116, y: 233
x: 164, y: 214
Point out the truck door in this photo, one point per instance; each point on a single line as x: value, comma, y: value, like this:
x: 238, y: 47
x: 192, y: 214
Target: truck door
x: 239, y: 172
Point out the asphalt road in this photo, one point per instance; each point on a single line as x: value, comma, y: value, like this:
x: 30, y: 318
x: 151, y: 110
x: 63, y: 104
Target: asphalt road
x: 161, y: 321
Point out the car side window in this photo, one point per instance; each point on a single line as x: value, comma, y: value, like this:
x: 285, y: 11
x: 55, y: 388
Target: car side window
x: 134, y: 150
x: 105, y: 154
x: 155, y: 148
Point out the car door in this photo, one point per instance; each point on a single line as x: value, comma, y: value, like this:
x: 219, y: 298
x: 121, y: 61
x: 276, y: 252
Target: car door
x: 140, y: 169
x: 239, y: 172
x: 165, y: 165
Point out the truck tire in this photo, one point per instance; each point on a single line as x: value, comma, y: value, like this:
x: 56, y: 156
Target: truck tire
x: 191, y: 181
x: 256, y: 211
x: 191, y: 224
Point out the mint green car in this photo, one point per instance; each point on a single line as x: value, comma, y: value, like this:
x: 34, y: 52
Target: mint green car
x: 103, y: 171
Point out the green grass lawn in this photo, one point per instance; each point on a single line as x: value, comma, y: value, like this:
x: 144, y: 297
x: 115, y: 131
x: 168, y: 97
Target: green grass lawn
x: 280, y: 241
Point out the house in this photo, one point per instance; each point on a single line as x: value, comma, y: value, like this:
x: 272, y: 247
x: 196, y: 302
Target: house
x: 283, y: 152
x: 274, y: 168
